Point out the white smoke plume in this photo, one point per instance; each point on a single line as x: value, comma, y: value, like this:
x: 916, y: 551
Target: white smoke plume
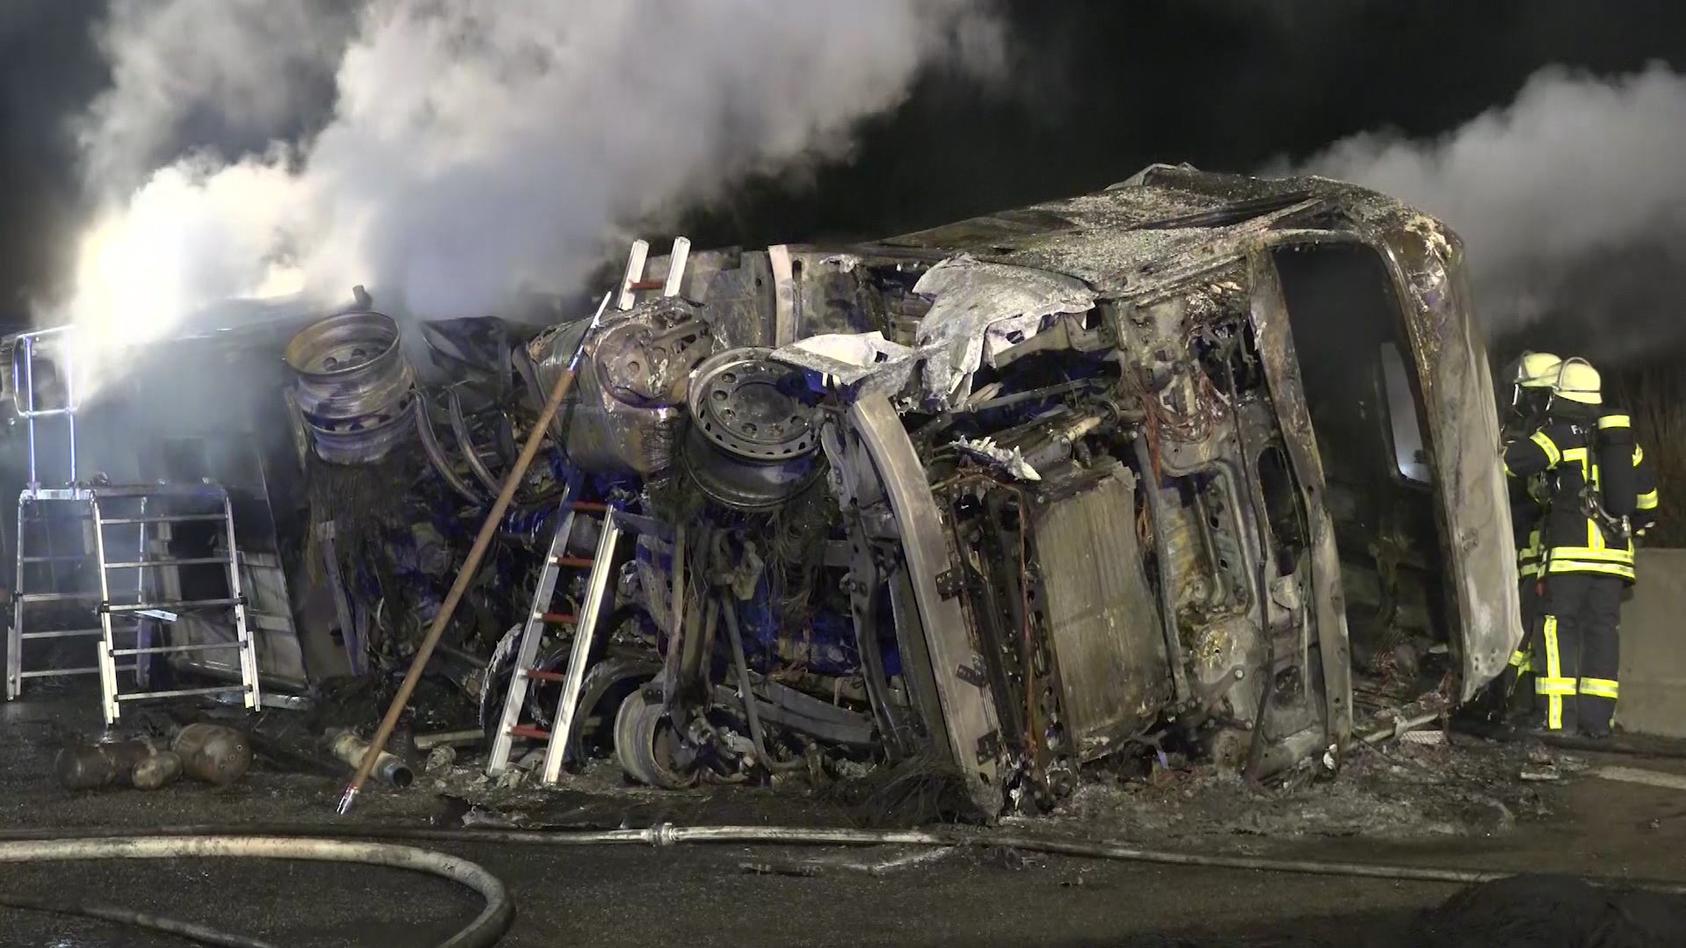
x: 238, y: 72
x: 472, y: 150
x: 1571, y: 200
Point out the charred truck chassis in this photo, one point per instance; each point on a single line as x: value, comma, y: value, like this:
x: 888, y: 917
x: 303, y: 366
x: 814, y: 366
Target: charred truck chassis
x: 1020, y: 493
x: 1198, y: 461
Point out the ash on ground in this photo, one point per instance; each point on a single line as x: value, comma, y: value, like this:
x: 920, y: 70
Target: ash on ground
x: 1403, y: 791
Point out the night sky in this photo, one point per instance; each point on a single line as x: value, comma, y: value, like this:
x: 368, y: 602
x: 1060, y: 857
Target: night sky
x: 1095, y: 91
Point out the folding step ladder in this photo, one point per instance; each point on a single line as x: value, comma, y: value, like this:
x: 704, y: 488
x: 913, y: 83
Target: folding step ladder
x: 40, y: 581
x: 167, y: 505
x: 46, y: 507
x: 601, y: 566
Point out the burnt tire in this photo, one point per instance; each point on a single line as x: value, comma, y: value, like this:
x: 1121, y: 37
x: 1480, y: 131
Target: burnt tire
x: 647, y: 744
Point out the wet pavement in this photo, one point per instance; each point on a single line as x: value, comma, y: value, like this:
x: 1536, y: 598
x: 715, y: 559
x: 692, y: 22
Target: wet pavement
x: 1456, y: 804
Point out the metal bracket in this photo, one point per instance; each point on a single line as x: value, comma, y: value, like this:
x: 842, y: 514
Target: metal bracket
x: 971, y: 674
x: 949, y: 583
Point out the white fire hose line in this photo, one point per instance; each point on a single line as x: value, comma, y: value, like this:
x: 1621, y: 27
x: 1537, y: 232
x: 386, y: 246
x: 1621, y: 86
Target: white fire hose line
x: 666, y: 834
x: 484, y: 930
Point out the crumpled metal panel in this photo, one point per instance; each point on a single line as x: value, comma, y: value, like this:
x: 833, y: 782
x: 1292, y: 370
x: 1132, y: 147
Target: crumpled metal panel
x: 975, y: 302
x: 1463, y: 420
x: 1103, y: 617
x: 868, y: 360
x: 969, y: 727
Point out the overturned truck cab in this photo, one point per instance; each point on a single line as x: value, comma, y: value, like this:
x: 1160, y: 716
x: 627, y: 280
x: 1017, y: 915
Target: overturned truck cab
x: 1198, y: 458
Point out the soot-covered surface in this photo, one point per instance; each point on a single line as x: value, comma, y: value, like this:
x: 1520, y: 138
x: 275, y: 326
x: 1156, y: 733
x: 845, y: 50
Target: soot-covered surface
x: 1461, y: 804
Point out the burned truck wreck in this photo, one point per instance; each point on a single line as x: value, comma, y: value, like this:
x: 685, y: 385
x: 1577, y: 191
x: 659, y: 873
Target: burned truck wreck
x: 1198, y: 459
x: 1016, y: 494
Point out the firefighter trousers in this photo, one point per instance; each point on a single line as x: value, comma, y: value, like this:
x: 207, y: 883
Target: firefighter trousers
x: 1518, y: 679
x: 1577, y: 656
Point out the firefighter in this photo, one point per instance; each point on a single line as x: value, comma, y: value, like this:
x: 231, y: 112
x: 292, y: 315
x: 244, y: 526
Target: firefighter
x: 1531, y: 384
x: 1588, y: 457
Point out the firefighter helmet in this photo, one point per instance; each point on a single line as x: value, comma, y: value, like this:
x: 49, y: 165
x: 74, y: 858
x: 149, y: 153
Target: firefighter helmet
x: 1578, y: 381
x: 1537, y: 370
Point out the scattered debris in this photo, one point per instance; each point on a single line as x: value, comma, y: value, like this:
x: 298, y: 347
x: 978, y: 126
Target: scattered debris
x: 1010, y: 462
x: 440, y: 759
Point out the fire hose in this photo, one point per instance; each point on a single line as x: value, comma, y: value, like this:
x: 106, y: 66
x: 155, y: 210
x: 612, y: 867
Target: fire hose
x: 303, y: 841
x: 34, y: 846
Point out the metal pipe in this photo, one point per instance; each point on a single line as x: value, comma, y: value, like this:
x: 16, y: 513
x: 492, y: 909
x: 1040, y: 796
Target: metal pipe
x: 436, y: 454
x: 465, y: 441
x: 465, y: 576
x: 347, y: 746
x: 1255, y: 747
x: 1400, y: 727
x: 441, y: 738
x: 755, y: 731
x: 1162, y: 552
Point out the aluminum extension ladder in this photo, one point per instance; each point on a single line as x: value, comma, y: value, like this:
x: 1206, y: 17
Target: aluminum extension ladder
x: 602, y: 565
x: 525, y: 670
x: 135, y: 506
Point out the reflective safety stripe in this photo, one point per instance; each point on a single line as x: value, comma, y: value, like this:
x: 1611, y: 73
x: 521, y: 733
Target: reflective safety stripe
x: 1601, y: 687
x: 1604, y: 569
x: 1520, y: 661
x: 1638, y: 455
x: 1530, y: 568
x: 1553, y: 455
x: 1615, y: 421
x: 1592, y: 554
x: 1648, y: 501
x: 1552, y: 683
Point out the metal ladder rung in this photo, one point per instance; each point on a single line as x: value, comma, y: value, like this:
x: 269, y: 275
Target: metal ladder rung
x: 205, y: 492
x: 181, y: 692
x: 167, y: 649
x: 578, y: 562
x: 59, y: 634
x: 55, y: 672
x: 91, y: 596
x: 177, y: 518
x: 169, y: 606
x: 158, y: 564
x: 588, y: 506
x: 524, y: 730
x: 66, y: 558
x: 540, y: 675
x: 557, y: 618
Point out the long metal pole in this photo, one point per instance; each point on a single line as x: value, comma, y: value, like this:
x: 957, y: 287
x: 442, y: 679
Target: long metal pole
x: 470, y: 566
